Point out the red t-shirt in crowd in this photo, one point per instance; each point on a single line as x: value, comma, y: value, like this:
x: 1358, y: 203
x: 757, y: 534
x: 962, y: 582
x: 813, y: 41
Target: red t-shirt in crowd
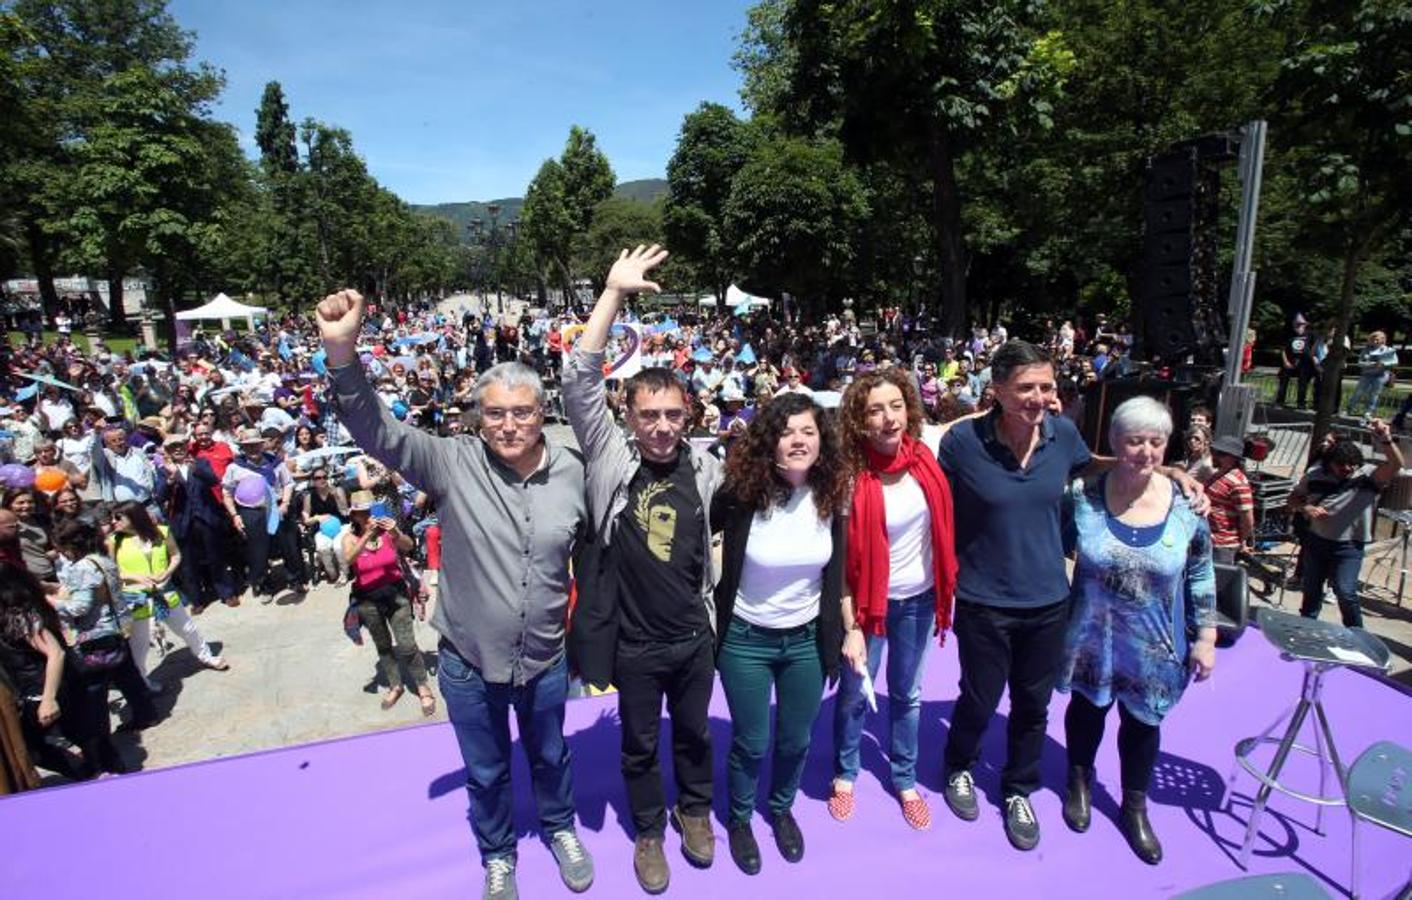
x: 1230, y: 497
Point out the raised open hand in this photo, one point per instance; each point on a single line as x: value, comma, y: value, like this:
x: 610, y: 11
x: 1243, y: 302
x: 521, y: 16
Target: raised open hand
x: 340, y: 316
x: 629, y: 273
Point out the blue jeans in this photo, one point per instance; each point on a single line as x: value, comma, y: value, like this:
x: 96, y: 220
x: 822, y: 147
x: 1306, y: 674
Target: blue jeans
x: 479, y: 713
x: 1366, y: 394
x: 1336, y: 562
x: 909, y: 629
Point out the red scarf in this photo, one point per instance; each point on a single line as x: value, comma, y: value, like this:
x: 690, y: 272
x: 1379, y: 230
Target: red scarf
x: 868, y: 566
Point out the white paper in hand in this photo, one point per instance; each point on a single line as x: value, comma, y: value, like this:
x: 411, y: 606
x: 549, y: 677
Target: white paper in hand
x: 868, y: 693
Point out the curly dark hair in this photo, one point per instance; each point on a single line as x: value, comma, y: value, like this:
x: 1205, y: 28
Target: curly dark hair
x: 853, y: 413
x: 751, y: 475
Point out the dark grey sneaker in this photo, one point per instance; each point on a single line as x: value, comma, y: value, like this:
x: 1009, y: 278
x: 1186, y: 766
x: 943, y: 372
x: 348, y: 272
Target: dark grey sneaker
x: 1021, y: 827
x: 575, y: 865
x: 500, y: 880
x: 960, y: 795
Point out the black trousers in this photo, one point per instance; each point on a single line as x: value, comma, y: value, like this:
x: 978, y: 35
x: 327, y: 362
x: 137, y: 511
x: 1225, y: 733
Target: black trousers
x: 260, y: 546
x: 205, y: 575
x: 684, y: 673
x: 998, y: 646
x: 91, y: 687
x: 1138, y: 742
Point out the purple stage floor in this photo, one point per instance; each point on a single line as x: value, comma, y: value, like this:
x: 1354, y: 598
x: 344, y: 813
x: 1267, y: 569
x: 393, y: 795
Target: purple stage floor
x: 385, y: 815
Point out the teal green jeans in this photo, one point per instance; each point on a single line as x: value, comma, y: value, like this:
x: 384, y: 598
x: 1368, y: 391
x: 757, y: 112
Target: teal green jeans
x: 752, y: 661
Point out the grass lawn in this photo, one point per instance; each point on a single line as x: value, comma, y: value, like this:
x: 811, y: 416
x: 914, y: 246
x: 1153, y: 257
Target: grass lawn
x: 121, y: 343
x: 1266, y: 382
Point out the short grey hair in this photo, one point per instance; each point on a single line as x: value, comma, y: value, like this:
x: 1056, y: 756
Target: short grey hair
x: 510, y: 375
x: 1140, y: 414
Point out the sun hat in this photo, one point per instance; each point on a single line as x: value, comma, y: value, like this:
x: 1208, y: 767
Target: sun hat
x: 1230, y: 445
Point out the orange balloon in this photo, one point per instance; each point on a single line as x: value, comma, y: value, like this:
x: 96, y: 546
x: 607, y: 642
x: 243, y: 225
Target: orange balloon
x: 51, y: 480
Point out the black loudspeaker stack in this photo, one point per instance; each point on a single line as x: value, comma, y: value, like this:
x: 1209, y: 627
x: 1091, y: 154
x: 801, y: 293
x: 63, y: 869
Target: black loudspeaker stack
x: 1178, y: 306
x: 1102, y: 397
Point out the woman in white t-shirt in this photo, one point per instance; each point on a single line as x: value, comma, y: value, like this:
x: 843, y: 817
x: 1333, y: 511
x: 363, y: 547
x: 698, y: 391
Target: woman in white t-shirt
x: 900, y: 574
x: 779, y: 605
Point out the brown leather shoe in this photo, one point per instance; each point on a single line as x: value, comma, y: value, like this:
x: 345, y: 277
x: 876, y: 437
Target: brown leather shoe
x: 650, y: 864
x: 698, y: 841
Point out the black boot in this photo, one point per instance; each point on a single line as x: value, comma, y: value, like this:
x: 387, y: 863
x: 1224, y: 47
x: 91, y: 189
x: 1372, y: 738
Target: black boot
x: 1133, y: 821
x: 1078, y: 801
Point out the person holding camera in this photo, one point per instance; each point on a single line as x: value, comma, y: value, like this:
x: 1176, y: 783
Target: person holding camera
x: 373, y: 547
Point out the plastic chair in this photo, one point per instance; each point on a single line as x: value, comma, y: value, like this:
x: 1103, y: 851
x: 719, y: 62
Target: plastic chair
x: 1379, y: 789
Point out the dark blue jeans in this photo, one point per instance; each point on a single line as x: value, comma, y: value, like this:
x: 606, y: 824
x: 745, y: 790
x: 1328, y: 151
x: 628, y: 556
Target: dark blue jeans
x: 909, y: 628
x: 479, y: 712
x: 1335, y: 562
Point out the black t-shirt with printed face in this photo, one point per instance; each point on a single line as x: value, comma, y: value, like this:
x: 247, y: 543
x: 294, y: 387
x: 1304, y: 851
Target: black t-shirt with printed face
x: 661, y: 553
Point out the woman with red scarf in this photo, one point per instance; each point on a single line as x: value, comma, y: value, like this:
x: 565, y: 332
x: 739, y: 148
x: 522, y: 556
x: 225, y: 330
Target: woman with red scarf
x: 901, y: 572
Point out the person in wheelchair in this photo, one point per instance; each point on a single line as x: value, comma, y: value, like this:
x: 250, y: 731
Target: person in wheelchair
x: 323, y: 511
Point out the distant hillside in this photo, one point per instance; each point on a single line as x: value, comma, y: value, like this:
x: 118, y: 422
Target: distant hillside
x: 646, y: 190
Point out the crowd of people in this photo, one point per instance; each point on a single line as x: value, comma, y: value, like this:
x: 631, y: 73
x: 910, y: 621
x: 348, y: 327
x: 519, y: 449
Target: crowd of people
x: 776, y: 504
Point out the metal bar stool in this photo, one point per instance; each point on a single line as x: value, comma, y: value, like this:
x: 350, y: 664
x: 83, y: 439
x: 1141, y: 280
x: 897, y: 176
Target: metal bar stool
x: 1379, y: 788
x: 1322, y: 647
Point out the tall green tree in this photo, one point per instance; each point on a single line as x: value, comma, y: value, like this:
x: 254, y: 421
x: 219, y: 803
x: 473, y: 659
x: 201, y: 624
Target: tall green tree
x: 793, y: 216
x: 80, y: 63
x: 913, y: 82
x: 547, y: 225
x: 712, y: 147
x: 617, y: 223
x: 588, y: 177
x: 275, y: 133
x: 1349, y: 105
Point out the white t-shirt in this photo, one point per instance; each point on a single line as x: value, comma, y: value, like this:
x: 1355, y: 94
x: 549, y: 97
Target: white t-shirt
x: 785, y: 556
x: 909, y: 539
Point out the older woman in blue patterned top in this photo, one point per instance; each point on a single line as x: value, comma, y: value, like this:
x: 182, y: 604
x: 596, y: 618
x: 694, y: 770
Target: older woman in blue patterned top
x: 1142, y: 615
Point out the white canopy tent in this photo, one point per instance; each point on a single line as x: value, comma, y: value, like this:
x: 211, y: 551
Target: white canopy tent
x: 224, y: 308
x: 736, y: 298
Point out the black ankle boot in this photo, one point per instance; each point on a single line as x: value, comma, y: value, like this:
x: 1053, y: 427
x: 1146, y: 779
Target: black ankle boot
x: 1133, y: 821
x: 1078, y: 801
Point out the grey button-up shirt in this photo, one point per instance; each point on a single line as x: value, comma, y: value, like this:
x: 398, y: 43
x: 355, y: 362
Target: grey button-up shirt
x: 505, y: 541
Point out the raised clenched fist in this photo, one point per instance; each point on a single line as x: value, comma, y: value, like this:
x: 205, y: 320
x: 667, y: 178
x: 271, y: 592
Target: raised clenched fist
x: 340, y: 316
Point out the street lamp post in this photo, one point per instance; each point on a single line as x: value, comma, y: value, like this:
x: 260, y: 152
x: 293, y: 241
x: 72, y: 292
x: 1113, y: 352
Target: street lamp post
x: 494, y: 210
x: 918, y: 269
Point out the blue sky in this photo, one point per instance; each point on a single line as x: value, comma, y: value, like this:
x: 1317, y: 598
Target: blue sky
x: 450, y: 101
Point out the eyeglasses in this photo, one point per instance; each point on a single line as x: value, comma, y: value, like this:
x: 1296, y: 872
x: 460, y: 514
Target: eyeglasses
x: 652, y: 416
x: 521, y: 414
x: 319, y: 478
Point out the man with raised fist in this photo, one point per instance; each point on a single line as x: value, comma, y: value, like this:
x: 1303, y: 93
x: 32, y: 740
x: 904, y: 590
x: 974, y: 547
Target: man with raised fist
x: 511, y: 508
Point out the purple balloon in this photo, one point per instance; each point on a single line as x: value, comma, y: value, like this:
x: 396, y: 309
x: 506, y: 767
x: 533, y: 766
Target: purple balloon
x: 14, y: 475
x: 250, y: 491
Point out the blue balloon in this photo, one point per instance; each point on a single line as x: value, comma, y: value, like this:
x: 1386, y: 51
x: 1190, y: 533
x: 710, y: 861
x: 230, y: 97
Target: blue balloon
x: 331, y: 527
x: 399, y: 409
x: 320, y: 362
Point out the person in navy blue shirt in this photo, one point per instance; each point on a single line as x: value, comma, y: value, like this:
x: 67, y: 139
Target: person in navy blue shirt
x: 1008, y: 471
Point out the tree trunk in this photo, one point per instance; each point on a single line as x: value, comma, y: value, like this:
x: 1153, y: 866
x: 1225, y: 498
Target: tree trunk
x: 1333, y: 363
x: 946, y: 211
x: 39, y: 254
x: 116, y: 320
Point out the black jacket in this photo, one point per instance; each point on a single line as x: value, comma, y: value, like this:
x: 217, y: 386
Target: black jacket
x: 592, y: 640
x: 734, y: 517
x: 189, y: 501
